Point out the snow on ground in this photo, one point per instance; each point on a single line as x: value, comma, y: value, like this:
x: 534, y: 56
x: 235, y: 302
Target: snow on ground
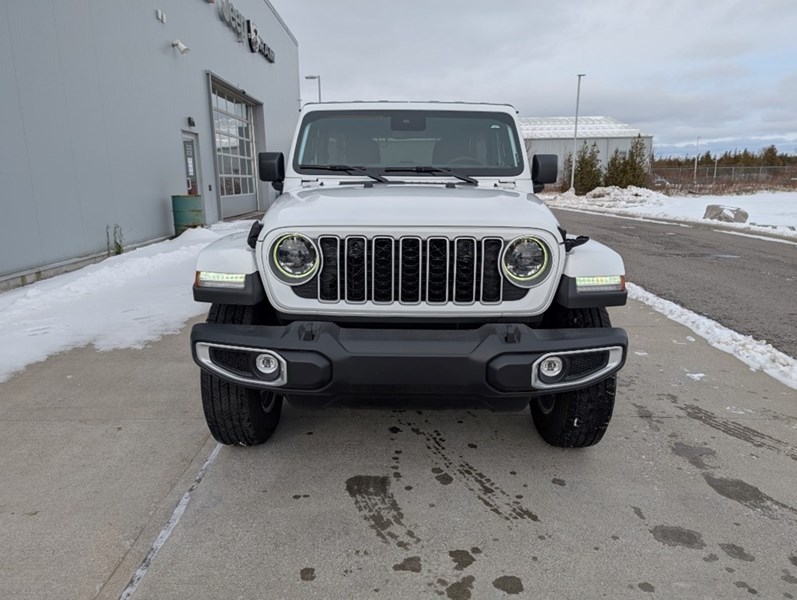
x: 130, y: 300
x: 754, y: 353
x: 125, y: 301
x: 771, y: 212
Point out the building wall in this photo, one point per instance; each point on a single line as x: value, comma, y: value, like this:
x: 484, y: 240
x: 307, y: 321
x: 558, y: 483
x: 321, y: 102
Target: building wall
x: 93, y: 103
x: 563, y: 147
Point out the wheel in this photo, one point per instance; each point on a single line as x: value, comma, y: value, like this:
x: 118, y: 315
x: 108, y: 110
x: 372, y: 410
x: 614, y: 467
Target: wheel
x: 579, y: 418
x: 235, y: 414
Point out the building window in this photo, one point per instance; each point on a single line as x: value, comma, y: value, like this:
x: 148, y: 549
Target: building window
x: 232, y: 125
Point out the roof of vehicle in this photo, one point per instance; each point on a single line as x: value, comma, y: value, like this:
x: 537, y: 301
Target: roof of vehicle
x: 408, y: 105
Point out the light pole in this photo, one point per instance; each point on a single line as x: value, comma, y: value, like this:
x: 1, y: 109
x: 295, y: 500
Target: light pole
x: 575, y: 132
x: 318, y: 77
x: 697, y: 153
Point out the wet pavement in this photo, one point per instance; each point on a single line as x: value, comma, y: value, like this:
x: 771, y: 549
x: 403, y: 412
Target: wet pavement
x: 691, y: 494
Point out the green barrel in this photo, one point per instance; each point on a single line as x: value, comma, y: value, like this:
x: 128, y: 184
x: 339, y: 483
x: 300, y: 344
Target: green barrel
x: 188, y: 212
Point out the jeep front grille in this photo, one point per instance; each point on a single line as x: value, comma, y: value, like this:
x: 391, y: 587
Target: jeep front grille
x: 410, y: 270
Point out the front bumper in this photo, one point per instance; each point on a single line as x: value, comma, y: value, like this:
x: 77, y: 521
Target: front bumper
x: 325, y: 361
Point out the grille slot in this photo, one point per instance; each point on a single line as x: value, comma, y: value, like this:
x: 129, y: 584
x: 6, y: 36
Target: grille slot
x: 355, y: 269
x: 382, y: 265
x: 491, y: 270
x: 437, y: 270
x: 464, y: 270
x: 410, y: 270
x: 329, y: 278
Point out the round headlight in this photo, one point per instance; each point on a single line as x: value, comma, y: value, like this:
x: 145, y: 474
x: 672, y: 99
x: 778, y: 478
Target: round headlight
x: 525, y: 259
x: 295, y: 257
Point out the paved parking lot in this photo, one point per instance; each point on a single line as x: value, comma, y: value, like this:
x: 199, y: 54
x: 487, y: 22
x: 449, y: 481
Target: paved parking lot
x: 692, y: 494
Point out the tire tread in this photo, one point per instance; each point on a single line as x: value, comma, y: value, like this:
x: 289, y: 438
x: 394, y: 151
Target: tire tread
x: 233, y: 413
x: 579, y: 418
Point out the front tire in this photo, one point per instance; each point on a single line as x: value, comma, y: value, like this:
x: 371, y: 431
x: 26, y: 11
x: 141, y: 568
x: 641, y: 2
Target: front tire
x: 238, y: 415
x: 579, y: 418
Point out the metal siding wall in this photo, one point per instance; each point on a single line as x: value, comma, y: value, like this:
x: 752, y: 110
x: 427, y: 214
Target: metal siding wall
x: 44, y: 119
x: 93, y: 115
x: 89, y: 160
x: 19, y: 237
x: 562, y: 147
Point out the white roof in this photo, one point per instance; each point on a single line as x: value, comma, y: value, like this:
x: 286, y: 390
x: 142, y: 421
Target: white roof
x: 410, y: 105
x: 562, y: 127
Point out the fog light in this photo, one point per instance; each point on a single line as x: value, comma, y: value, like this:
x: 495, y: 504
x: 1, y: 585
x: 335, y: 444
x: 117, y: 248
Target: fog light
x: 551, y: 367
x: 267, y: 364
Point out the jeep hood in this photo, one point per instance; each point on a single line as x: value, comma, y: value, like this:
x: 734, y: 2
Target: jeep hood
x: 408, y: 205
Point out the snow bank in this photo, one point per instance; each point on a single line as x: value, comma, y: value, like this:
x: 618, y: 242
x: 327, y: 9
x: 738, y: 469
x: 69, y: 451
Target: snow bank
x: 754, y: 353
x: 612, y: 197
x: 770, y: 212
x: 125, y: 301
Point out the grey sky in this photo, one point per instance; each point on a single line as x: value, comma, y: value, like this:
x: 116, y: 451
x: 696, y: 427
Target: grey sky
x: 678, y: 69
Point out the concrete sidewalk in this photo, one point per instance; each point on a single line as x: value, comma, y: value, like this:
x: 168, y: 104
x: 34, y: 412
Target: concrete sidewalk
x: 691, y: 494
x: 95, y: 450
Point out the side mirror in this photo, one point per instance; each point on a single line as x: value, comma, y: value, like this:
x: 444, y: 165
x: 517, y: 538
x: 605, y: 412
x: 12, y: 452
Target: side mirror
x: 271, y: 166
x: 544, y: 168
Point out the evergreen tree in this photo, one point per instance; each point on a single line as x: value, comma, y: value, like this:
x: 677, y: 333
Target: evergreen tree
x: 567, y: 168
x: 615, y: 170
x: 636, y: 164
x: 766, y: 157
x: 769, y: 157
x: 588, y: 169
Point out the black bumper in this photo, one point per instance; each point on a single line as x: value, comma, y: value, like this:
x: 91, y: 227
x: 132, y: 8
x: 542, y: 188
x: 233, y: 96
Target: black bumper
x: 325, y: 361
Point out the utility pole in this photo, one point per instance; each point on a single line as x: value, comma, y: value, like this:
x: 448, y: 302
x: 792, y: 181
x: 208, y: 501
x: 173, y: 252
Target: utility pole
x: 575, y: 131
x: 697, y: 153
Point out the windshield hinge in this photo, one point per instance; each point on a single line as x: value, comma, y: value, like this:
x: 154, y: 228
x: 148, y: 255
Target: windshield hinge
x: 254, y: 233
x: 570, y: 243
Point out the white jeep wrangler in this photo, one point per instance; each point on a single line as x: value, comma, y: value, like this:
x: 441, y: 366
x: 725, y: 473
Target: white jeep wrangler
x: 408, y: 255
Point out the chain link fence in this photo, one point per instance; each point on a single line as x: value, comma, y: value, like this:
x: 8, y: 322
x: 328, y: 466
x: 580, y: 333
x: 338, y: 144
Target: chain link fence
x: 726, y: 177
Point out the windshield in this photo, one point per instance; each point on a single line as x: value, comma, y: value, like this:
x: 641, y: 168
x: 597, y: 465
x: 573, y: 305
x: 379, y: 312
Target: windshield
x: 465, y: 143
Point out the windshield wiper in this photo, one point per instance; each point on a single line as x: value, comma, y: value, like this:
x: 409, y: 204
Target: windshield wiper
x: 430, y: 169
x: 351, y: 170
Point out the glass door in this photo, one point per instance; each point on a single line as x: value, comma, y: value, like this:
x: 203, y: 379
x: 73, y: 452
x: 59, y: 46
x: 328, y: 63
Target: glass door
x: 234, y: 140
x: 193, y: 184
